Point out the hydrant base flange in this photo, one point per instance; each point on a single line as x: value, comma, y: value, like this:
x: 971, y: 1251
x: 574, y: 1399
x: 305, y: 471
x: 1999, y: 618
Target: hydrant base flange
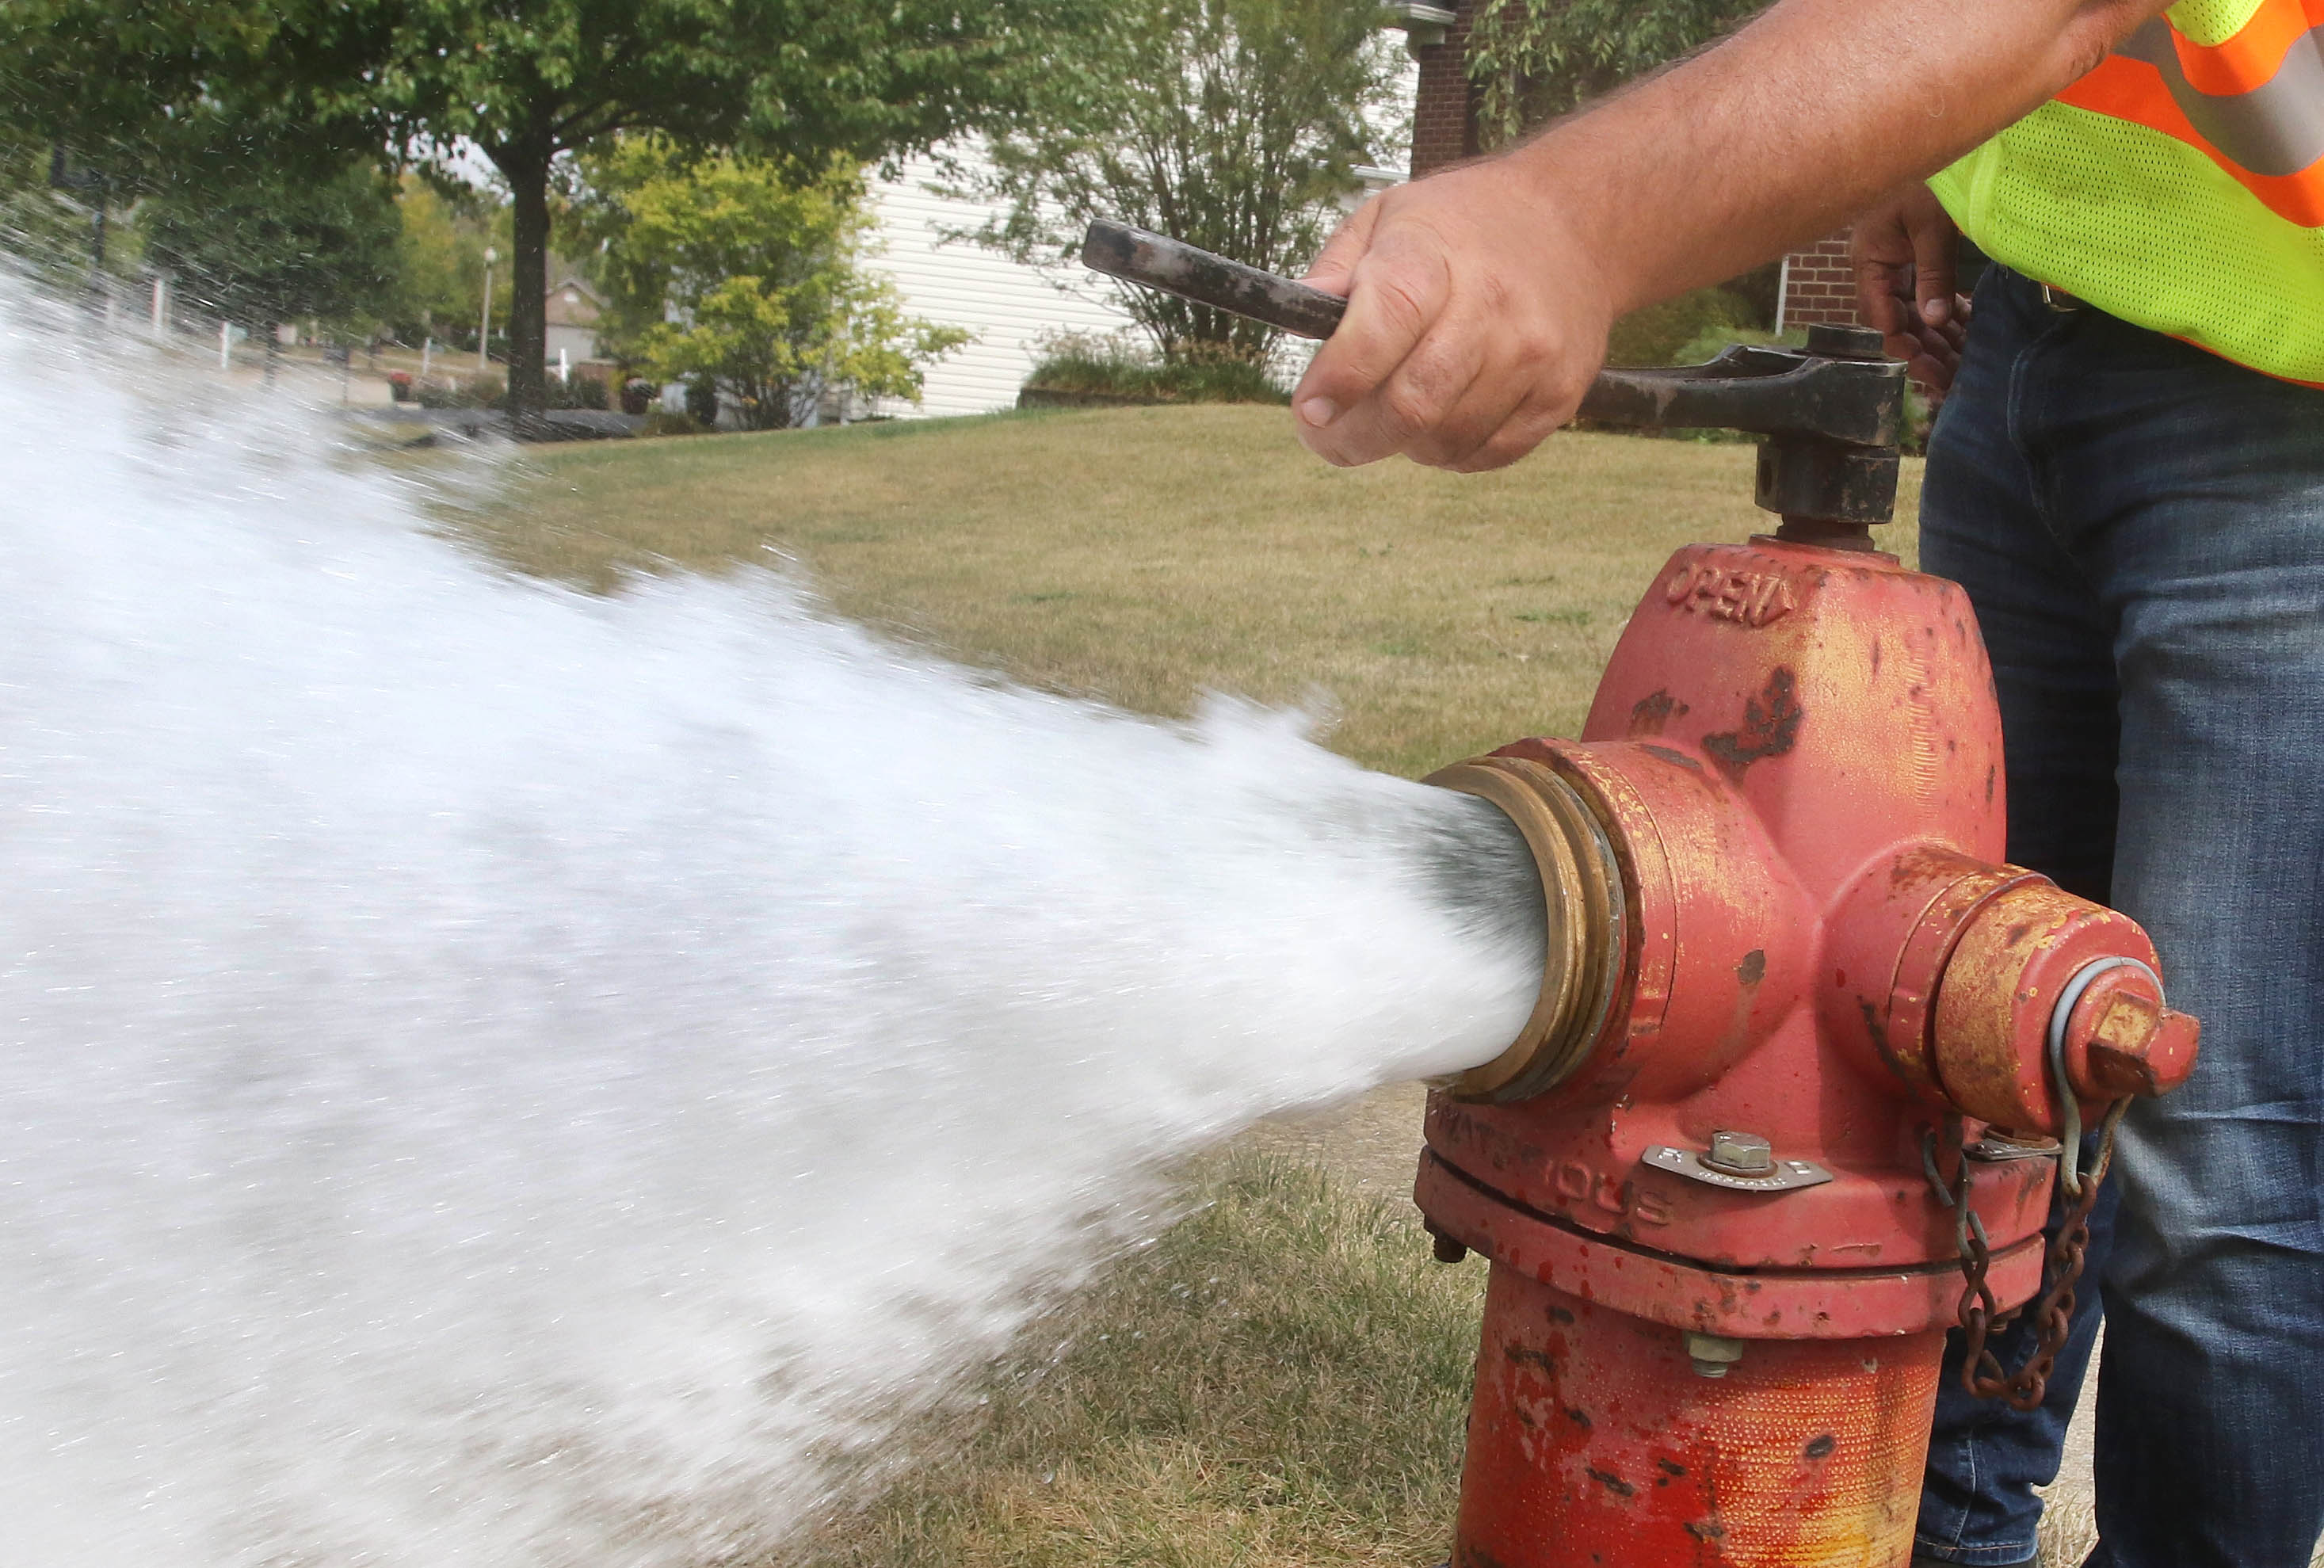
x: 1825, y: 1303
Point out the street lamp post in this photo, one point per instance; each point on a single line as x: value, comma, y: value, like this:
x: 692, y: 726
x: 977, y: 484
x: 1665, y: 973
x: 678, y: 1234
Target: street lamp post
x: 485, y: 328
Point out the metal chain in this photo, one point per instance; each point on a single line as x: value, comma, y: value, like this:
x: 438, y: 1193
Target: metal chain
x: 1979, y: 1314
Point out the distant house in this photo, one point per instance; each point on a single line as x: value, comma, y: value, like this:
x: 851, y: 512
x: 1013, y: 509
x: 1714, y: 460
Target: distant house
x: 573, y: 308
x: 1008, y: 307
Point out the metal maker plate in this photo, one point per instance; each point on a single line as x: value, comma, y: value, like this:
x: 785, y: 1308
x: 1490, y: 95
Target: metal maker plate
x: 1788, y: 1175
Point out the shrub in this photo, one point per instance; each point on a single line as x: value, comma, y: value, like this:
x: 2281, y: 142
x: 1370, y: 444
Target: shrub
x: 483, y: 390
x: 662, y: 422
x: 1656, y: 335
x: 1712, y: 342
x: 582, y: 390
x: 1115, y: 366
x: 701, y: 400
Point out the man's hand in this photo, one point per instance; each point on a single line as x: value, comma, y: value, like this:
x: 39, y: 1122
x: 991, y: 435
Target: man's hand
x: 1476, y: 320
x: 1903, y: 250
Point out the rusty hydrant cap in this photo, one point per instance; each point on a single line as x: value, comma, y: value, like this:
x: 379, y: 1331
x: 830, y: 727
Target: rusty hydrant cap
x: 2040, y: 986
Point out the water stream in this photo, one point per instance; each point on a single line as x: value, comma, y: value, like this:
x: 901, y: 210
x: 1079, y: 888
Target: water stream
x: 496, y: 1076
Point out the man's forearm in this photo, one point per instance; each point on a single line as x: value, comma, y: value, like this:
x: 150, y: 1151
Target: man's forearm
x: 1480, y: 300
x: 1798, y: 122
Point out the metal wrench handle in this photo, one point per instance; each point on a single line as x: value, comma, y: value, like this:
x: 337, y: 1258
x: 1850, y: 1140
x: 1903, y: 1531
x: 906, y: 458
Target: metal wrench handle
x: 1176, y: 267
x: 1834, y: 410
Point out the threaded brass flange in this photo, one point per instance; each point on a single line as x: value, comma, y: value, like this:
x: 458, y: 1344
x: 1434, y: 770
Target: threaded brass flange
x: 1581, y: 886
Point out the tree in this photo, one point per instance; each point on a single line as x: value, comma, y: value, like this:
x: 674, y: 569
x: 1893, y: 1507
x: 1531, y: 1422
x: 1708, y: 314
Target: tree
x: 53, y: 229
x: 724, y: 267
x: 528, y: 81
x: 441, y: 259
x: 1235, y: 125
x: 254, y: 248
x: 1535, y: 59
x: 149, y: 93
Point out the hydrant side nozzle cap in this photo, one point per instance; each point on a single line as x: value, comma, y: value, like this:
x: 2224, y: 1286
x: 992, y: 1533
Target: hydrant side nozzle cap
x: 2037, y: 977
x: 1581, y: 886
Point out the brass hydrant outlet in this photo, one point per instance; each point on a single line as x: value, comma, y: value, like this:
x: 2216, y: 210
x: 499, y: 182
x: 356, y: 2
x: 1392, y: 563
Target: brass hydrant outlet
x: 1581, y: 888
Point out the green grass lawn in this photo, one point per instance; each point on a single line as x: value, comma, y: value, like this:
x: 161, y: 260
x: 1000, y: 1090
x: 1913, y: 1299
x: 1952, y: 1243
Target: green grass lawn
x: 1281, y: 1381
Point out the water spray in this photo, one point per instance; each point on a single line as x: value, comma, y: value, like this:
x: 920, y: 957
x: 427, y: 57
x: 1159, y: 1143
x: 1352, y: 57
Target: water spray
x: 498, y: 1076
x: 1808, y: 1058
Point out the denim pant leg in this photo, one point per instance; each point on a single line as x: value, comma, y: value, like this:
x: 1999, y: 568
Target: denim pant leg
x: 1983, y: 524
x: 2210, y: 1425
x: 2189, y: 497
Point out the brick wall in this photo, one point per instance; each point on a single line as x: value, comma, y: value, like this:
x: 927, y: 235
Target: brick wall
x: 1443, y: 110
x: 1818, y: 286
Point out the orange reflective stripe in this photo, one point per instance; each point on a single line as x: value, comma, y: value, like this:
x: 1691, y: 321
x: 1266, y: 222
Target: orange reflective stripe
x: 2130, y: 89
x: 2255, y: 53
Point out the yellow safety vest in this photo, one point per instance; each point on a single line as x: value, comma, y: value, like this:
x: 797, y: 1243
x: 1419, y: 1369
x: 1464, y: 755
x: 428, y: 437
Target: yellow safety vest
x: 2180, y: 185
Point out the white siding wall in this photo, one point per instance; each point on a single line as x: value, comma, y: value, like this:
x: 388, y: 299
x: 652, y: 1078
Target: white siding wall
x: 1007, y: 306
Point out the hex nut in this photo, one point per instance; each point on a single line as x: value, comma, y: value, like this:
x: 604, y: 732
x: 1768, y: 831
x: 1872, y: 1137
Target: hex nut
x: 1712, y: 1354
x: 1742, y: 1154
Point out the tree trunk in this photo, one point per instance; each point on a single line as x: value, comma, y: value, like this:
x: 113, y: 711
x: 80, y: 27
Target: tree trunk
x: 527, y: 172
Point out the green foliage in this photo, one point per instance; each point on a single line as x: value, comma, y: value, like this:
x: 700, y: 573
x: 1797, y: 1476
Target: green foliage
x: 581, y: 390
x: 1114, y: 367
x: 702, y: 401
x: 252, y: 246
x: 44, y: 227
x: 1539, y: 59
x: 526, y: 82
x: 1233, y: 123
x: 800, y: 80
x: 150, y: 93
x: 473, y: 392
x: 1658, y: 334
x: 662, y: 422
x: 724, y: 267
x: 1709, y: 344
x: 440, y: 261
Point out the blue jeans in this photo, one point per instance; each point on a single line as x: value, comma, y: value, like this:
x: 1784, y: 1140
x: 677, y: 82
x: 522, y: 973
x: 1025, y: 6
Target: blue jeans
x: 2140, y: 528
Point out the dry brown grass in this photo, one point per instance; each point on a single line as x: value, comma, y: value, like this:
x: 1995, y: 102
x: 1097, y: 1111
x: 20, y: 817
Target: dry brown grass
x: 1147, y: 555
x: 1280, y: 1383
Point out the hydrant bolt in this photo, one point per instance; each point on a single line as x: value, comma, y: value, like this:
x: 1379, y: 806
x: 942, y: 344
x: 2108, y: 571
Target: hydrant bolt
x: 1712, y: 1354
x: 1445, y: 1248
x: 1743, y: 1153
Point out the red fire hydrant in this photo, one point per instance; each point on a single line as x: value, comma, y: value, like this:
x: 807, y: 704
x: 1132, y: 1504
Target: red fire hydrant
x: 1802, y: 1033
x: 1808, y: 1058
